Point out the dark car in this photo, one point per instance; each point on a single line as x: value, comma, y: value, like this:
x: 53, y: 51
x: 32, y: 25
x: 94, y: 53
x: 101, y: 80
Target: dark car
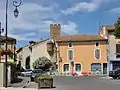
x: 115, y: 74
x: 36, y: 72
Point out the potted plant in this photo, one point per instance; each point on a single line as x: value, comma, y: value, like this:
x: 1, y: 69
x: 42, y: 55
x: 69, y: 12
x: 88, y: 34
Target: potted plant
x: 44, y: 81
x: 42, y: 63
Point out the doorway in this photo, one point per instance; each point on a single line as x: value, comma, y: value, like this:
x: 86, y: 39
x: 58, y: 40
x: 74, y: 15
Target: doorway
x: 27, y: 63
x: 104, y: 68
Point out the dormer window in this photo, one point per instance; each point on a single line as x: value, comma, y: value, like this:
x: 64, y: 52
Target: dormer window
x: 70, y: 44
x: 97, y: 44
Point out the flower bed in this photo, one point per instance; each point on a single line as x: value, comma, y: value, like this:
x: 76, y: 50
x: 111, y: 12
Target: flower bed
x: 44, y: 81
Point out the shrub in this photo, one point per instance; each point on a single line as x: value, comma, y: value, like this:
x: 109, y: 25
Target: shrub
x: 42, y: 63
x: 44, y: 77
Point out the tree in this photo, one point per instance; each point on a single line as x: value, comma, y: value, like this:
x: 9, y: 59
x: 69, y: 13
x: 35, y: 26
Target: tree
x: 42, y: 63
x: 117, y: 28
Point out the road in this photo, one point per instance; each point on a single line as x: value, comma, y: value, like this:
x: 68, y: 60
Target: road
x: 82, y: 83
x: 86, y: 83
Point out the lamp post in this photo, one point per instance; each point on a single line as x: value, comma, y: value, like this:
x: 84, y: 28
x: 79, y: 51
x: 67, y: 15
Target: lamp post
x: 16, y: 4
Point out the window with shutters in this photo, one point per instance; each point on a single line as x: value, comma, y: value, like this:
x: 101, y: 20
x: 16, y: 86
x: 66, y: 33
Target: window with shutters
x: 78, y: 67
x: 117, y: 50
x: 70, y: 55
x: 97, y: 53
x: 66, y: 67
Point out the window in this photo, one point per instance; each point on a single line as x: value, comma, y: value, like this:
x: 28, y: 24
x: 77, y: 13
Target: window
x: 97, y: 44
x: 117, y: 50
x: 95, y: 67
x: 70, y: 44
x: 56, y: 66
x: 97, y: 53
x: 70, y: 54
x: 66, y: 67
x: 78, y: 67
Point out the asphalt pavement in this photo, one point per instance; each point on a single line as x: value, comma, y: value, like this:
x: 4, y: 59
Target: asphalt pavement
x: 86, y: 83
x: 81, y: 83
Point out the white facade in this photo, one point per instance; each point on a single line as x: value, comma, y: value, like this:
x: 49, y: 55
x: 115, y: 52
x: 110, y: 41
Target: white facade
x: 39, y: 50
x: 26, y: 53
x: 22, y: 55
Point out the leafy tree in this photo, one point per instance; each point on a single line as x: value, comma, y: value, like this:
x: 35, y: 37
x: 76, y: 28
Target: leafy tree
x: 117, y: 28
x: 42, y: 63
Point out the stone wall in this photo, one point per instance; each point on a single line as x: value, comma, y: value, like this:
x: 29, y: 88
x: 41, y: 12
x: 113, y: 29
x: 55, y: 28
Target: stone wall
x: 1, y: 74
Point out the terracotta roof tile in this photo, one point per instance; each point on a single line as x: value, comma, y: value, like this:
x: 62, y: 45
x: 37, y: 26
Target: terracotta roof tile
x: 110, y: 27
x: 79, y: 38
x: 2, y: 39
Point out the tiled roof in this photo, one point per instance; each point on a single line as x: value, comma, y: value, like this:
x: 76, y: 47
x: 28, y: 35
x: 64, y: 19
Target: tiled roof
x: 41, y: 41
x: 2, y: 38
x: 79, y: 38
x: 110, y: 27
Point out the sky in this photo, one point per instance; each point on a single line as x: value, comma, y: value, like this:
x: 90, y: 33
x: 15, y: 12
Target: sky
x: 75, y: 17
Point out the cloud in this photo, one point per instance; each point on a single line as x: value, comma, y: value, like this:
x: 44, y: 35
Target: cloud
x: 91, y: 6
x: 28, y: 19
x: 70, y: 28
x: 67, y: 28
x: 115, y: 10
x: 31, y: 22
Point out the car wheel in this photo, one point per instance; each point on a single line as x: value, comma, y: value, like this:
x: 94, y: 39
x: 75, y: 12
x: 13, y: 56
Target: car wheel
x: 32, y: 79
x: 114, y: 77
x: 118, y: 77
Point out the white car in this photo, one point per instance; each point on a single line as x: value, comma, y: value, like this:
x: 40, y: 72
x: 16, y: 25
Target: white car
x: 27, y: 72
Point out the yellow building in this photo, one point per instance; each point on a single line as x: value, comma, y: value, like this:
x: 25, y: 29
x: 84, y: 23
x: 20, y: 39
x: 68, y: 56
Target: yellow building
x: 80, y: 53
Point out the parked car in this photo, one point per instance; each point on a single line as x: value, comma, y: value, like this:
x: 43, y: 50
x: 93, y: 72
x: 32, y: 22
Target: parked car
x: 36, y: 72
x: 26, y: 72
x: 115, y: 74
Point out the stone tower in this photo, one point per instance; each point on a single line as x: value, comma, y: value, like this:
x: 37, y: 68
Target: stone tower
x: 55, y: 30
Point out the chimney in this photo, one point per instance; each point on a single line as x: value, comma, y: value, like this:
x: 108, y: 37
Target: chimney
x: 55, y: 30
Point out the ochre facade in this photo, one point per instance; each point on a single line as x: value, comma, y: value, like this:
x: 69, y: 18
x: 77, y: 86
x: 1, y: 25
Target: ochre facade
x: 84, y: 54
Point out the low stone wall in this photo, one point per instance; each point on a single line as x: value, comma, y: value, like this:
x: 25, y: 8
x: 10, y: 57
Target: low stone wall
x: 1, y: 74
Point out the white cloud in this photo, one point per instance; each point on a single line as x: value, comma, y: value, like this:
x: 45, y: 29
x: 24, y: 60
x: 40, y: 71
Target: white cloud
x: 28, y: 19
x: 34, y: 17
x: 91, y: 6
x: 115, y: 10
x: 70, y: 28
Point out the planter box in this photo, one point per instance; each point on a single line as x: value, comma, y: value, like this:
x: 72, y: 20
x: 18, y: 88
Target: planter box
x: 45, y: 83
x: 36, y: 80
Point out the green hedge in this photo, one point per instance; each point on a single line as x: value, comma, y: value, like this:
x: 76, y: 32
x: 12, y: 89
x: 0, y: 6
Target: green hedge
x: 44, y: 77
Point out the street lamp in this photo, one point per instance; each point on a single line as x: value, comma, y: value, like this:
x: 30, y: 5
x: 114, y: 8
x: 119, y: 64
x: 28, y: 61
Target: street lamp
x: 16, y: 4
